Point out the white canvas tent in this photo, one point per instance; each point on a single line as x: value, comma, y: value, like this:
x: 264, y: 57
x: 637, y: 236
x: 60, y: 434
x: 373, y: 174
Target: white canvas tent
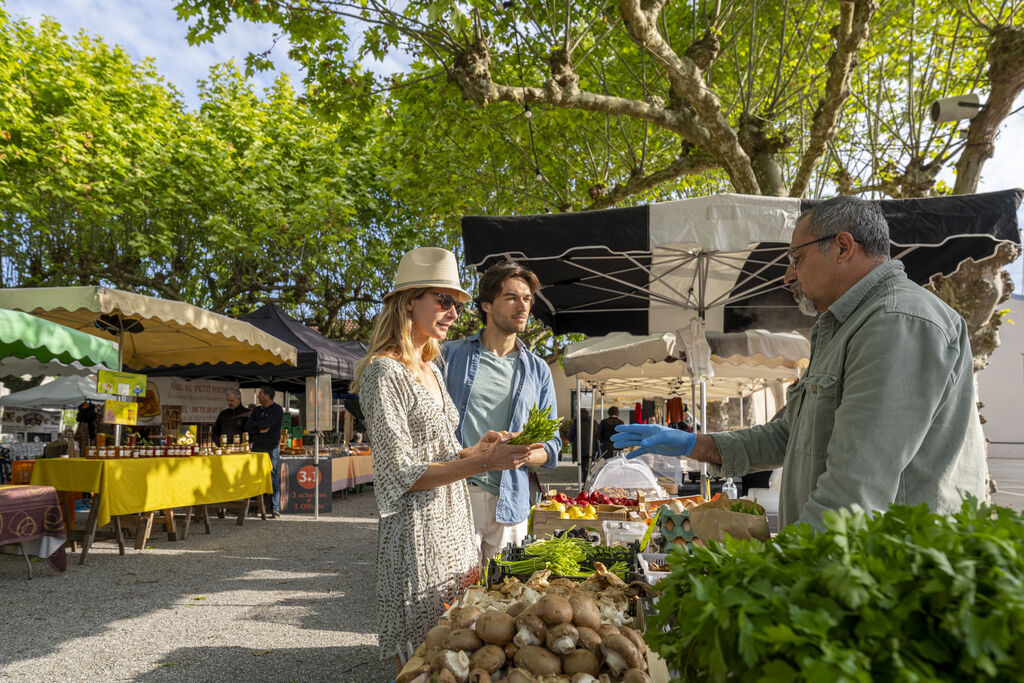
x: 64, y: 392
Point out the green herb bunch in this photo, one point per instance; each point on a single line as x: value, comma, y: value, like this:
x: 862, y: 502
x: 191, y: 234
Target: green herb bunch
x: 538, y: 428
x: 902, y: 596
x: 746, y: 507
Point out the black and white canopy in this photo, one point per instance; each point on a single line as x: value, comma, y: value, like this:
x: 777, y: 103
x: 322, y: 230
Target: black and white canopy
x: 652, y: 268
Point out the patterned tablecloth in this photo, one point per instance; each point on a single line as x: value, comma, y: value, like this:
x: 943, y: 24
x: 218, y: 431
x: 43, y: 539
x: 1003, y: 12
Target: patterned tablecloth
x: 349, y: 471
x: 31, y: 516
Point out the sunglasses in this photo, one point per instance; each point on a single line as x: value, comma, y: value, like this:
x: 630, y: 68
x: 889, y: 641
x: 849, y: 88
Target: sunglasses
x: 446, y: 301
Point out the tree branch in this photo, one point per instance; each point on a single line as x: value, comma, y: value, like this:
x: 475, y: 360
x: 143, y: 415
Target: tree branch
x: 852, y: 30
x: 641, y: 17
x: 685, y: 164
x: 1006, y: 76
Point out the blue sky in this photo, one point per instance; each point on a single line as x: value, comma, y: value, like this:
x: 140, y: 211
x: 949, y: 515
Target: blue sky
x: 150, y: 28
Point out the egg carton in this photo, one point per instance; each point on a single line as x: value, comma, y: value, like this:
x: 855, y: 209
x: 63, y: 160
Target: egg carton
x: 673, y: 525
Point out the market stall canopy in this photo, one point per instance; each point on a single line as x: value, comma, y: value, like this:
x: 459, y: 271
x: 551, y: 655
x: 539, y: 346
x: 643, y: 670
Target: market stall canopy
x: 627, y: 367
x: 156, y: 332
x: 30, y: 345
x: 63, y: 392
x: 315, y: 355
x: 652, y: 268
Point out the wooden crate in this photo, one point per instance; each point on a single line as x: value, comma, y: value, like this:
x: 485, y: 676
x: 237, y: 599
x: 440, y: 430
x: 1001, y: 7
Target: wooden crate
x: 545, y: 521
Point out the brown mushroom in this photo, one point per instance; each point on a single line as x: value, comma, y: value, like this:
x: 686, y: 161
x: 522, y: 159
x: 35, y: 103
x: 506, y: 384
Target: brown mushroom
x: 463, y: 639
x: 581, y: 661
x: 446, y: 676
x: 516, y: 608
x: 530, y: 630
x: 619, y: 653
x: 582, y: 677
x: 495, y: 627
x: 562, y: 639
x: 584, y: 610
x: 554, y: 610
x: 538, y: 661
x: 489, y: 658
x: 418, y: 675
x: 605, y: 630
x: 467, y: 616
x: 589, y: 639
x: 635, y: 676
x: 518, y: 675
x: 479, y: 676
x: 457, y: 663
x: 444, y: 621
x: 436, y: 636
x: 510, y: 651
x: 635, y: 638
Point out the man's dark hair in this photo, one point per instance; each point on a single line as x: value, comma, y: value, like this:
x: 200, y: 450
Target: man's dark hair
x: 495, y: 276
x: 613, y: 412
x: 861, y: 218
x: 268, y: 390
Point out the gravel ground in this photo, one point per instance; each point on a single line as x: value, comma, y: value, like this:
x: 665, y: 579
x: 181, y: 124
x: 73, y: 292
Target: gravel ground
x: 290, y: 599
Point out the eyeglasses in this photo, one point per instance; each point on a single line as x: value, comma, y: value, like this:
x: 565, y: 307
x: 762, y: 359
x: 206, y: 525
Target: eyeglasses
x: 446, y: 301
x: 792, y: 250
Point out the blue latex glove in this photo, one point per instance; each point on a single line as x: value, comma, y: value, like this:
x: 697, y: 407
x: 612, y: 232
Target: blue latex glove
x: 653, y: 439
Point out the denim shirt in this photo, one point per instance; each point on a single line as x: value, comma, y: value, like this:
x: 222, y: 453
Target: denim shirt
x: 885, y: 413
x: 533, y: 385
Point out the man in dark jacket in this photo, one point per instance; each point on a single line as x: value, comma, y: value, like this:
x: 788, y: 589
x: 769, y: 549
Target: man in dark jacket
x: 264, y: 427
x: 606, y: 429
x: 231, y: 421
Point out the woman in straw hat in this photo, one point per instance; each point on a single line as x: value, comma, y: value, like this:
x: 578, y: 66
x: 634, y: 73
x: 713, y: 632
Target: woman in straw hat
x: 425, y: 550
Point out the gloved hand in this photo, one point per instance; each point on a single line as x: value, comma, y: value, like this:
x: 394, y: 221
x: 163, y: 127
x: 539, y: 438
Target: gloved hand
x: 653, y: 439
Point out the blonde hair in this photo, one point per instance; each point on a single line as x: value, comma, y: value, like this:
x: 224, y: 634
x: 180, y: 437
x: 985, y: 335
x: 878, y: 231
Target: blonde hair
x: 392, y: 335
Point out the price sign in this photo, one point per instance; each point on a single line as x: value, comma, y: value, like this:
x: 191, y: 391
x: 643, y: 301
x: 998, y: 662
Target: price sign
x: 120, y: 383
x: 298, y: 484
x: 120, y: 412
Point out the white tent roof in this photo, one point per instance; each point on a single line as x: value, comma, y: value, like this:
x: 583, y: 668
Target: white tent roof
x: 628, y: 367
x: 64, y: 392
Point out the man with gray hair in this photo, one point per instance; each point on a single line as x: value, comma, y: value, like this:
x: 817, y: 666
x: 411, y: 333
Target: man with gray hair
x: 231, y: 421
x: 886, y: 411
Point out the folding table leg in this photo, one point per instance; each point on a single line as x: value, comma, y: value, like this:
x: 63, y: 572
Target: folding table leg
x: 90, y: 528
x: 143, y: 529
x: 188, y: 523
x: 172, y: 532
x: 206, y: 517
x: 28, y: 562
x: 243, y: 511
x: 118, y: 534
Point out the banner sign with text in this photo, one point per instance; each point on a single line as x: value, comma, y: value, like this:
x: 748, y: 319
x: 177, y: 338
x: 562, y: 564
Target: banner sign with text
x: 120, y: 412
x: 200, y: 400
x: 120, y: 383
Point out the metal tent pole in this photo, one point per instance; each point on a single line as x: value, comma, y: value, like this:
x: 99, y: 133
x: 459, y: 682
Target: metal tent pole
x: 705, y: 483
x: 316, y: 447
x: 741, y: 412
x: 579, y: 438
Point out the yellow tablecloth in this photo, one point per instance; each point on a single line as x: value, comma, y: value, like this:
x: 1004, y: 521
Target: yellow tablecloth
x: 127, y: 486
x: 349, y: 471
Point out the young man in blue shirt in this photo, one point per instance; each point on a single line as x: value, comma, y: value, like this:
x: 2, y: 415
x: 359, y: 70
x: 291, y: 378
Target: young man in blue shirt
x: 495, y: 380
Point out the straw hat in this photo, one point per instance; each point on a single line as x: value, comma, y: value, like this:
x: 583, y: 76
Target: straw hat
x: 429, y: 267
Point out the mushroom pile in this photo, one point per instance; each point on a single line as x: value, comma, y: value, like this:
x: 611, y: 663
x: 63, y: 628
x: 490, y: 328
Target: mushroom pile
x: 538, y: 632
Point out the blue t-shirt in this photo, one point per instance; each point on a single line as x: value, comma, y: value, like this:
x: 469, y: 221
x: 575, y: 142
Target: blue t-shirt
x: 489, y: 406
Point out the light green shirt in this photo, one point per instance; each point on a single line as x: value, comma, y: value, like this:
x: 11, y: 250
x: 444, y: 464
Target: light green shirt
x: 489, y: 407
x: 885, y: 413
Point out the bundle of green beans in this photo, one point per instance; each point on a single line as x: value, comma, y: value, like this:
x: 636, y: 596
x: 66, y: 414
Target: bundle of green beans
x: 563, y: 555
x: 538, y: 428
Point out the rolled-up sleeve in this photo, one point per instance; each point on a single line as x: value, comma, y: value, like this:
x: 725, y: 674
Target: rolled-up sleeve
x: 384, y: 398
x: 900, y: 369
x: 751, y: 450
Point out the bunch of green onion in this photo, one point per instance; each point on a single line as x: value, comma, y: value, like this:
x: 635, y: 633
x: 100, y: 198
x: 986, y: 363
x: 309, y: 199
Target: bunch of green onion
x: 538, y: 428
x: 563, y: 556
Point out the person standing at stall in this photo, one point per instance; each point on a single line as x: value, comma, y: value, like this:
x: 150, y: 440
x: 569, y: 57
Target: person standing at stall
x: 264, y: 427
x: 231, y: 421
x: 606, y: 429
x: 426, y: 554
x: 886, y: 412
x: 495, y: 381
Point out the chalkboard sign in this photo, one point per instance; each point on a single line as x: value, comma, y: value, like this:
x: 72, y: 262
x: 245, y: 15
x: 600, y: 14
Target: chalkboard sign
x: 298, y: 484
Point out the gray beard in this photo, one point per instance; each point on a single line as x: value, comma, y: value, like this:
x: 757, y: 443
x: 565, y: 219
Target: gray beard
x: 805, y: 304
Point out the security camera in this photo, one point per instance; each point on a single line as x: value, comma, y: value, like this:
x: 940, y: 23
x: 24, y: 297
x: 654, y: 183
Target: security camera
x: 955, y: 108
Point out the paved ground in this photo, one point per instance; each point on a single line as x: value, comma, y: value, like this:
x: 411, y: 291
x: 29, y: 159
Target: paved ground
x: 277, y: 600
x: 280, y: 600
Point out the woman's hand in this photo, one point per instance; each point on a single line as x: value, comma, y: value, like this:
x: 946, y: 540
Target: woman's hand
x: 496, y: 454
